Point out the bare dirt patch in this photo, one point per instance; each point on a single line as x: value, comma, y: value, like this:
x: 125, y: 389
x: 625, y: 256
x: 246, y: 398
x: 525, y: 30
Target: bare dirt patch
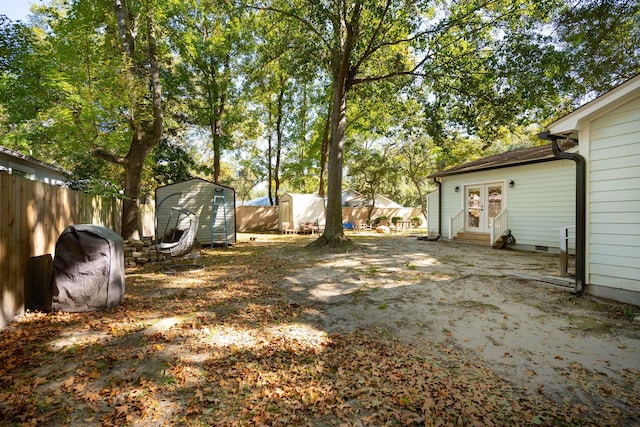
x: 535, y: 335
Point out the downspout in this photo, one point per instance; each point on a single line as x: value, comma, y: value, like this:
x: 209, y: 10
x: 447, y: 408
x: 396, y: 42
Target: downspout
x: 439, y: 184
x: 427, y: 238
x: 581, y: 190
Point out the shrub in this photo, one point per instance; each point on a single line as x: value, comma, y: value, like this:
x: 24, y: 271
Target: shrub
x: 376, y: 222
x: 395, y: 219
x: 416, y: 221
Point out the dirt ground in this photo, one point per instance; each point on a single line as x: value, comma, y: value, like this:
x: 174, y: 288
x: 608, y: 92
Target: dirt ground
x: 534, y: 334
x: 394, y: 331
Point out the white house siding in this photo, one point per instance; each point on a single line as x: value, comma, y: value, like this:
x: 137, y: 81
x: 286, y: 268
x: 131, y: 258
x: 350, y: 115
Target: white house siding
x: 614, y: 199
x: 542, y: 199
x: 197, y: 196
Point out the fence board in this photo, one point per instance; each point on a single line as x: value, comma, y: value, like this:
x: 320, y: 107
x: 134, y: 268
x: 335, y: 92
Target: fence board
x: 6, y: 308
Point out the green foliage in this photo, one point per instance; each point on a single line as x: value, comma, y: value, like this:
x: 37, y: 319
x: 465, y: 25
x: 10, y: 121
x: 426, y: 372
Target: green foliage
x: 416, y: 221
x: 602, y: 44
x: 94, y: 176
x: 395, y: 219
x: 428, y: 86
x: 172, y: 163
x: 378, y: 220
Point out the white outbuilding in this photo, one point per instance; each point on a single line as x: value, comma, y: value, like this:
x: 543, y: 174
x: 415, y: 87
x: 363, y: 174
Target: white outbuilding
x: 298, y: 211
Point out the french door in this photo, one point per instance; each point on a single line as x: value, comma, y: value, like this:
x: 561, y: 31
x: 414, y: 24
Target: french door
x: 482, y: 202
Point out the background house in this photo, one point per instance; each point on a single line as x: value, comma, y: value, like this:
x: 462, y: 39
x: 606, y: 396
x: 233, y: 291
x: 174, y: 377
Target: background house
x: 15, y: 163
x: 353, y: 199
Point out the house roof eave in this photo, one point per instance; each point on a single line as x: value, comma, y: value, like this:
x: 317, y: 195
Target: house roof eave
x: 32, y: 160
x: 570, y: 124
x: 508, y: 159
x: 491, y: 167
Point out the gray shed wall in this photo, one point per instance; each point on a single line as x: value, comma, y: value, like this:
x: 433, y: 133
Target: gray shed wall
x: 196, y: 195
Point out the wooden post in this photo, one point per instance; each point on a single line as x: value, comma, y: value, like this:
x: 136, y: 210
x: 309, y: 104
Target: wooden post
x: 564, y: 250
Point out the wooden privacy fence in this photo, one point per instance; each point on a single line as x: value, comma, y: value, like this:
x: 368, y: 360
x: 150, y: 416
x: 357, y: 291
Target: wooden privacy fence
x: 32, y: 216
x: 362, y: 214
x: 266, y: 218
x: 257, y: 218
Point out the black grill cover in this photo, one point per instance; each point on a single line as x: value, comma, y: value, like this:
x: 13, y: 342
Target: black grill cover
x: 88, y: 269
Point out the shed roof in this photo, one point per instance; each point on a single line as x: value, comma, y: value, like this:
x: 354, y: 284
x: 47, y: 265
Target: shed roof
x: 524, y: 156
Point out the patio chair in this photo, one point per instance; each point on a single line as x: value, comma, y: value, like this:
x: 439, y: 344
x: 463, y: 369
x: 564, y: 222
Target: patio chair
x: 177, y: 241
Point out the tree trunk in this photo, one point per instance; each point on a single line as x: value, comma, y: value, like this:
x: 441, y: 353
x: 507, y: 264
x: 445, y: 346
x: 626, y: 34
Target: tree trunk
x: 423, y: 201
x: 132, y: 177
x: 217, y: 146
x: 346, y: 34
x: 333, y: 233
x: 280, y: 113
x: 219, y: 99
x: 324, y: 152
x: 146, y: 133
x: 373, y: 202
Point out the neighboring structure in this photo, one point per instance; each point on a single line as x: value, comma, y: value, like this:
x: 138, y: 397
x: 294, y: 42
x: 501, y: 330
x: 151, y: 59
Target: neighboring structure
x: 608, y: 198
x: 350, y: 199
x: 197, y: 195
x: 353, y: 199
x: 260, y: 201
x: 529, y: 192
x: 28, y: 167
x: 296, y: 210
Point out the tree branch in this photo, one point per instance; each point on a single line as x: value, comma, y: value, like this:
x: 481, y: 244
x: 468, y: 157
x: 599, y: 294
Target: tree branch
x: 103, y: 154
x: 370, y: 49
x: 297, y: 18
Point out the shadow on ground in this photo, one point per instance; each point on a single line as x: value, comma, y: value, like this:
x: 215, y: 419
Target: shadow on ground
x: 394, y: 332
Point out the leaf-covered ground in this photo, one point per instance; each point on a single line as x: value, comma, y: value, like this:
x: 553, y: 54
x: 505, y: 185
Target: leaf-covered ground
x: 225, y: 346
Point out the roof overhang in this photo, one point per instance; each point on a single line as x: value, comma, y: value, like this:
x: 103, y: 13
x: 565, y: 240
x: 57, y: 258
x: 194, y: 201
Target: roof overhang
x: 508, y: 159
x: 572, y: 123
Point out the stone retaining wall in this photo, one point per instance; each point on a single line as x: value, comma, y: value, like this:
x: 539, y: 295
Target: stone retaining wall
x: 140, y: 252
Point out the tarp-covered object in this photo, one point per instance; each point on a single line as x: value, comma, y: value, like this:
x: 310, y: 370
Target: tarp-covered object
x: 88, y: 269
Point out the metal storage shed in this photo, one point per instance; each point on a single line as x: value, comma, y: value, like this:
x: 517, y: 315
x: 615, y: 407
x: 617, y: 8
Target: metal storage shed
x: 197, y: 195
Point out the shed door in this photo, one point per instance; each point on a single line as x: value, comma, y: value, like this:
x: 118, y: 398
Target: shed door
x: 482, y: 202
x: 285, y: 208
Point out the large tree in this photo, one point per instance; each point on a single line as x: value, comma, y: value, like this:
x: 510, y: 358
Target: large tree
x: 140, y: 68
x: 365, y: 42
x: 211, y: 40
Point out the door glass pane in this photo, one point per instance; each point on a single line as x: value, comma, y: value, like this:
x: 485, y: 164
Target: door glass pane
x: 473, y: 207
x: 495, y: 201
